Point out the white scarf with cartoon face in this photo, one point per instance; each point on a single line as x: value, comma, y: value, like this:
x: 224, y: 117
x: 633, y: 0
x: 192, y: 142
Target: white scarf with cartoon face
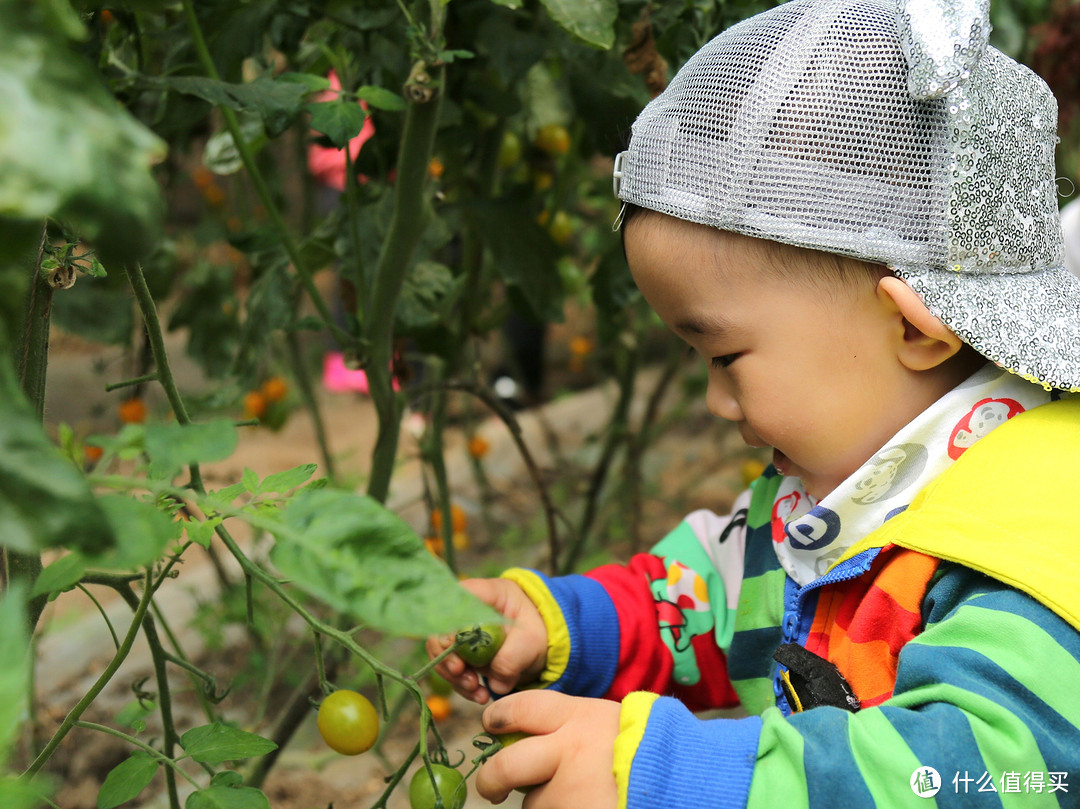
x: 810, y: 535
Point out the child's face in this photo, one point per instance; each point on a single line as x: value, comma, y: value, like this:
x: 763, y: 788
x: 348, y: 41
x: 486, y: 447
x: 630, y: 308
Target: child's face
x: 807, y: 370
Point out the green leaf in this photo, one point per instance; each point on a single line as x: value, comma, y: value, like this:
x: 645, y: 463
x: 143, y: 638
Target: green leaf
x: 202, y: 531
x: 268, y: 308
x: 525, y: 255
x: 591, y: 21
x: 45, y: 500
x: 62, y: 574
x: 276, y: 102
x: 249, y: 480
x: 508, y: 3
x: 172, y: 446
x: 17, y: 794
x: 69, y: 150
x: 221, y: 154
x: 218, y: 743
x: 219, y: 797
x: 142, y: 533
x: 430, y: 289
x: 14, y: 673
x: 134, y: 712
x: 352, y: 553
x: 312, y: 82
x: 281, y: 482
x: 227, y: 778
x: 127, y: 779
x: 339, y: 120
x: 613, y: 287
x: 381, y: 98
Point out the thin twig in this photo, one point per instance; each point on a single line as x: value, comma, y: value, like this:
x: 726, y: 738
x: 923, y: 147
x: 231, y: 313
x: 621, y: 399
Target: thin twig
x: 488, y: 397
x: 108, y: 623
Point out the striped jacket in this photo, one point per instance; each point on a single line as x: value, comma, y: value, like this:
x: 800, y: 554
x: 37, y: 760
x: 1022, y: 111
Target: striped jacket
x: 955, y: 625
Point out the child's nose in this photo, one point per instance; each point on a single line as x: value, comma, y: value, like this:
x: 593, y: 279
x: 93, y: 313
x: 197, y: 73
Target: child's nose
x: 720, y: 400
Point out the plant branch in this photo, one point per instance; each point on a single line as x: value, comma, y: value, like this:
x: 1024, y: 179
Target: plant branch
x: 155, y: 754
x: 408, y: 220
x: 102, y: 680
x: 259, y: 182
x: 551, y: 511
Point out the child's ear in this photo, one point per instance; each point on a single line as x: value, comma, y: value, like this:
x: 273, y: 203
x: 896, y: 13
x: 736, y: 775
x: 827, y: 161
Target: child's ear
x: 922, y: 341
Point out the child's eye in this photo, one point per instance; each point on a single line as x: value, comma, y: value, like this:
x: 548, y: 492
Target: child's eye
x: 724, y: 360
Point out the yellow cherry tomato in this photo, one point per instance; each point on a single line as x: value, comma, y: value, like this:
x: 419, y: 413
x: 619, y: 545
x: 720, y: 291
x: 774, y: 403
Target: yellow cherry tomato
x: 348, y: 722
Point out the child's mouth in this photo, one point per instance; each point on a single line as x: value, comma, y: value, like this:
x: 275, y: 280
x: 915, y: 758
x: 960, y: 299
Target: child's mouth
x: 781, y: 462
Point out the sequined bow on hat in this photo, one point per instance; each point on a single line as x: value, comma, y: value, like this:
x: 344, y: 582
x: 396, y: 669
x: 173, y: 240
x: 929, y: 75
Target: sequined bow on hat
x: 942, y: 41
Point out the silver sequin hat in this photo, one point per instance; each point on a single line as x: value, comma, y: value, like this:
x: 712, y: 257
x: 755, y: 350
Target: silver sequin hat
x: 891, y: 133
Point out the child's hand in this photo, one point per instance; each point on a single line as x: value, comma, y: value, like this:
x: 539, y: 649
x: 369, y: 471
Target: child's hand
x: 522, y: 655
x: 569, y: 752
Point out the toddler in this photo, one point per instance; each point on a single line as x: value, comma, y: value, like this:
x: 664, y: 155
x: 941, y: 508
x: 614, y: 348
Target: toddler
x: 848, y: 209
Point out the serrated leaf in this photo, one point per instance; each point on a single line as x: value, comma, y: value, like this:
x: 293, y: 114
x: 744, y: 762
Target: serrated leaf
x: 591, y: 21
x: 218, y: 743
x: 281, y: 482
x: 126, y: 780
x: 65, y: 572
x: 218, y: 797
x: 201, y: 532
x: 221, y: 498
x: 172, y: 446
x: 339, y: 120
x: 352, y: 553
x: 249, y: 480
x: 142, y: 533
x: 45, y: 500
x: 381, y: 98
x: 276, y: 102
x: 14, y: 642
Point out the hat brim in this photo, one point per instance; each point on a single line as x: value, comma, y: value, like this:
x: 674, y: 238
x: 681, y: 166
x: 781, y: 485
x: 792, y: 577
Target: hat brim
x: 1028, y: 323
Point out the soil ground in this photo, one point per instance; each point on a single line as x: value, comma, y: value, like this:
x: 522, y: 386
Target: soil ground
x: 696, y: 463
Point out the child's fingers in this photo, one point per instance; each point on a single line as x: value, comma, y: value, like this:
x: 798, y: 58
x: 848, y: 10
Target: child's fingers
x: 532, y: 712
x: 528, y: 762
x: 516, y: 656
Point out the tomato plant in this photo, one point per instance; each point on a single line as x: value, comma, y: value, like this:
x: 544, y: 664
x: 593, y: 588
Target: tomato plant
x: 449, y: 785
x: 348, y: 722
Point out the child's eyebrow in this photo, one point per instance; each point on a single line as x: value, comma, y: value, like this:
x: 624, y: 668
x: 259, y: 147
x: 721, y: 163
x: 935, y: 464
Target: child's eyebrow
x: 710, y: 325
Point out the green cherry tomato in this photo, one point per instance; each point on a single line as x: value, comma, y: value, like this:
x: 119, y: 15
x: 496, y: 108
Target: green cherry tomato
x: 481, y: 643
x: 450, y: 783
x: 508, y: 739
x: 348, y: 722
